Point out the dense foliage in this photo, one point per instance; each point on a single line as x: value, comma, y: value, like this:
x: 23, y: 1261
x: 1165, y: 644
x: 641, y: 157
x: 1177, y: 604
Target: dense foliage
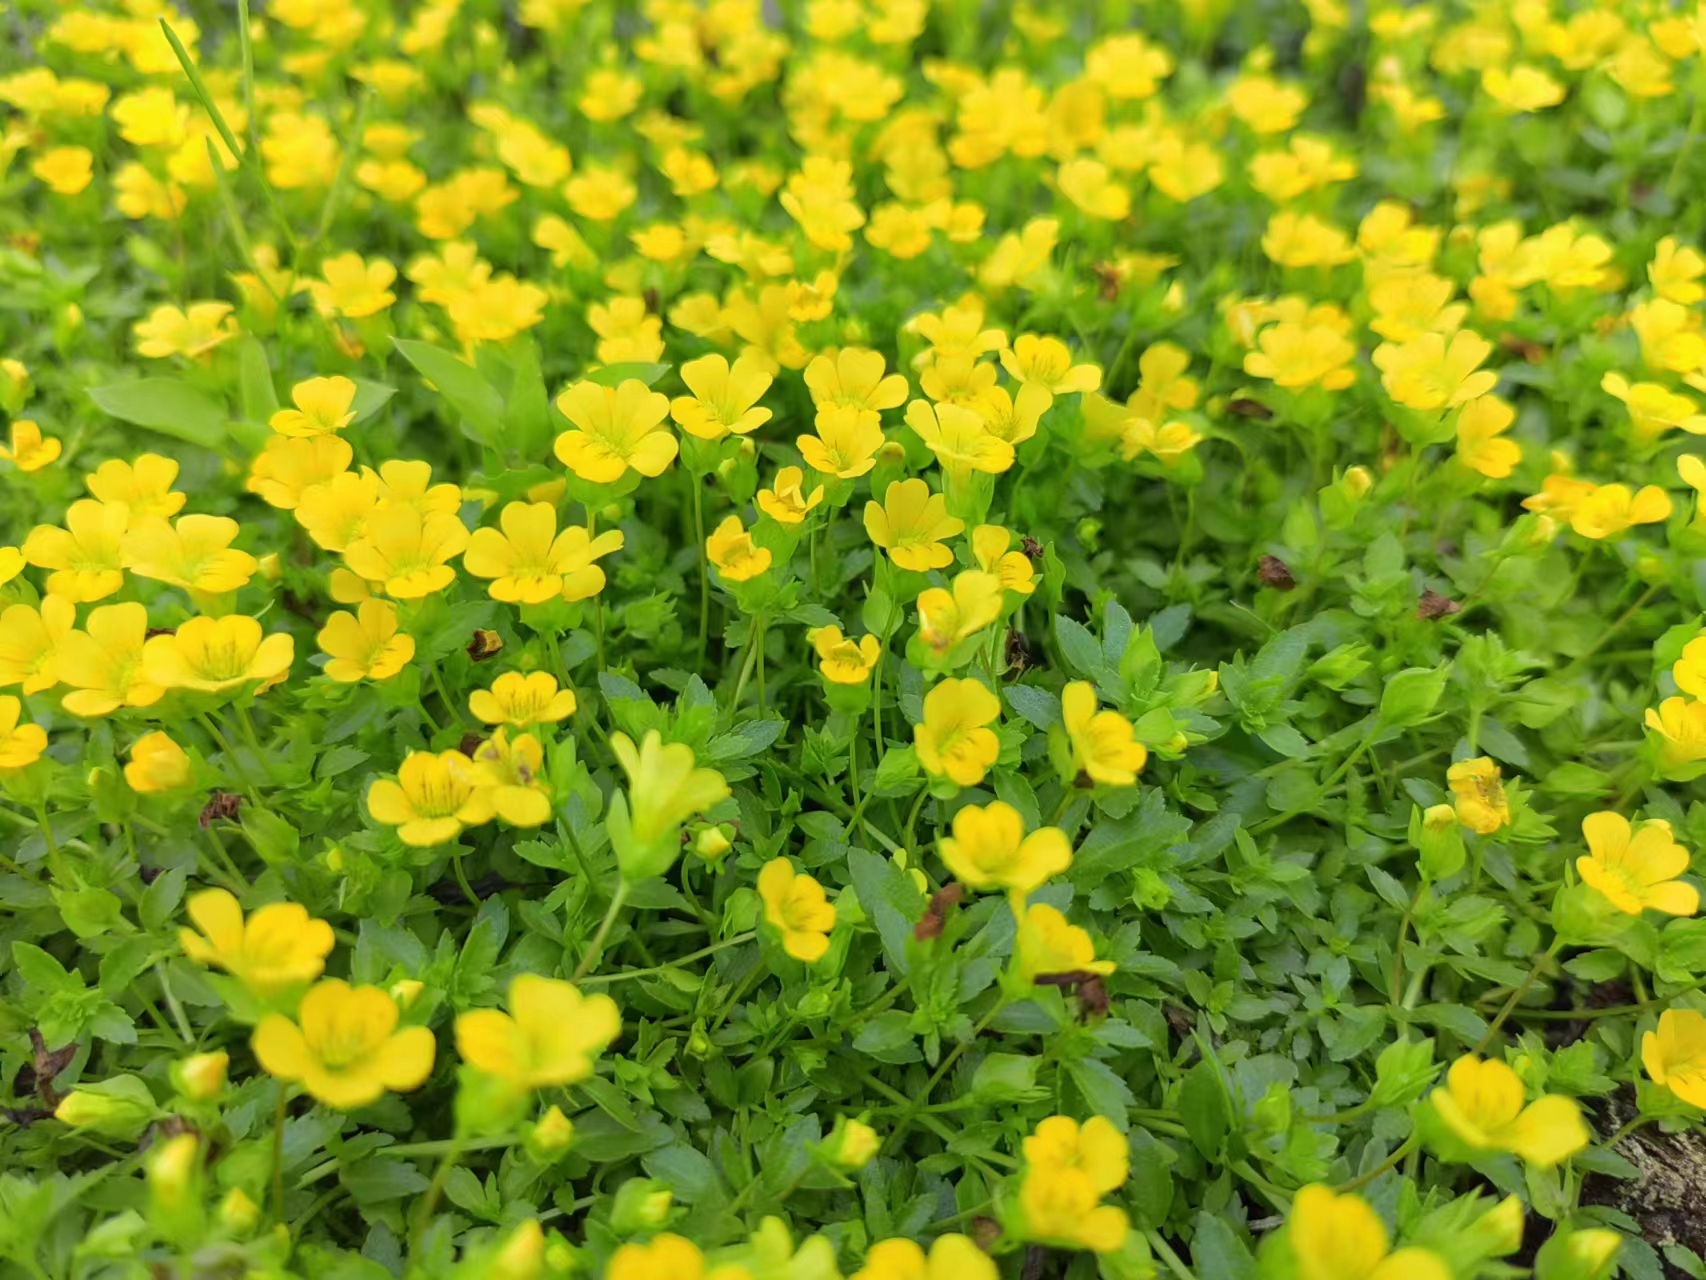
x: 915, y: 640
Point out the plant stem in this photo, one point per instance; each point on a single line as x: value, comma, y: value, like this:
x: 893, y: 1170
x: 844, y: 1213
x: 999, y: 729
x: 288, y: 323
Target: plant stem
x: 698, y: 488
x: 740, y: 939
x: 590, y: 957
x: 1521, y: 990
x: 1391, y: 1162
x: 1174, y: 1262
x: 747, y: 661
x: 440, y: 1176
x: 936, y: 1077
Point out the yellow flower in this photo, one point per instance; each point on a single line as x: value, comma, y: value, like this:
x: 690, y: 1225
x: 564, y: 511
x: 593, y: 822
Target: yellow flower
x: 990, y: 850
x: 1096, y: 1149
x: 665, y: 787
x: 627, y: 331
x: 365, y: 645
x: 336, y: 512
x: 433, y: 798
x: 194, y: 553
x: 1049, y: 943
x: 797, y: 906
x: 213, y: 654
x: 287, y: 468
x: 1611, y: 509
x: 786, y: 501
x: 1062, y: 1206
x: 143, y: 486
x: 1265, y: 104
x: 1432, y: 372
x: 1521, y: 88
x: 86, y: 556
x: 724, y: 400
x: 1679, y: 724
x: 532, y: 563
x: 64, y: 170
x: 616, y: 429
x: 989, y: 543
x: 842, y: 659
x: 29, y: 450
x: 1481, y: 445
x: 323, y: 407
x: 1482, y: 1105
x: 550, y: 1036
x: 853, y: 378
x: 910, y: 524
x: 1046, y: 362
x: 1675, y: 1054
x: 736, y: 557
x: 846, y: 442
x: 352, y: 287
x: 103, y: 662
x: 1339, y: 1237
x: 30, y: 640
x: 954, y: 740
x: 1479, y: 795
x: 667, y: 1257
x: 1636, y: 868
x: 959, y: 438
x: 192, y: 332
x: 945, y: 619
x: 345, y: 1049
x: 522, y: 700
x: 1102, y: 744
x: 156, y: 764
x: 511, y: 778
x: 277, y: 948
x: 20, y: 744
x: 406, y: 552
x: 1294, y: 354
x: 1654, y: 409
x: 951, y: 1257
x: 1303, y: 240
x: 1675, y: 272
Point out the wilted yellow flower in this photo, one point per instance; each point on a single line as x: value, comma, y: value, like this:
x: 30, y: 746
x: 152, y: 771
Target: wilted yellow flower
x: 345, y: 1048
x: 796, y: 905
x: 277, y: 948
x: 1049, y: 943
x: 1479, y: 795
x: 510, y: 777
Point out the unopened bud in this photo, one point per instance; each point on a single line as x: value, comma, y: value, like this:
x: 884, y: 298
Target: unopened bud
x: 711, y: 843
x: 118, y: 1108
x: 550, y: 1136
x: 1356, y: 482
x: 173, y: 1169
x: 642, y: 1204
x: 851, y: 1144
x: 406, y: 991
x: 201, y: 1076
x: 522, y: 1256
x: 238, y: 1214
x: 268, y: 566
x: 1438, y: 840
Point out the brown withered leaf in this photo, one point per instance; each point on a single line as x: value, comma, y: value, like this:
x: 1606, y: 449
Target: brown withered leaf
x: 1273, y: 572
x: 1432, y: 605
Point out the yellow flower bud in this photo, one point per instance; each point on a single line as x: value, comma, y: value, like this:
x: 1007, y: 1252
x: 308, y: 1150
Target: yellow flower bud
x: 1356, y: 482
x: 550, y: 1136
x: 711, y: 843
x: 851, y: 1144
x: 238, y: 1214
x: 173, y: 1169
x: 406, y: 992
x: 522, y: 1256
x: 202, y: 1075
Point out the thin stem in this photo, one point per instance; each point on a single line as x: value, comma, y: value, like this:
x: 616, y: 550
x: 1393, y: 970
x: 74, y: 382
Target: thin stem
x: 746, y: 665
x: 912, y: 818
x: 1605, y: 636
x: 698, y: 487
x: 590, y: 957
x: 1397, y: 987
x: 278, y: 1154
x: 1391, y: 1162
x: 740, y: 939
x: 936, y: 1077
x: 440, y: 1176
x: 1516, y: 995
x: 462, y: 879
x: 1174, y: 1262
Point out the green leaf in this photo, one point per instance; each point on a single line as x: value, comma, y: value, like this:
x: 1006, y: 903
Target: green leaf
x: 370, y: 398
x: 888, y: 1037
x: 890, y: 898
x: 254, y: 380
x: 1217, y: 1253
x: 1202, y: 1108
x: 1039, y: 706
x: 472, y: 396
x: 614, y: 375
x: 167, y: 405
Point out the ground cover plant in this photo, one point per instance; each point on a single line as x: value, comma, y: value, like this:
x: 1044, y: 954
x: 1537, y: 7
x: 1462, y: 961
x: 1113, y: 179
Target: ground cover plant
x: 873, y: 638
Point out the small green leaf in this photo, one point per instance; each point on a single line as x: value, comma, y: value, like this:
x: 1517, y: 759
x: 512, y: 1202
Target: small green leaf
x: 167, y: 405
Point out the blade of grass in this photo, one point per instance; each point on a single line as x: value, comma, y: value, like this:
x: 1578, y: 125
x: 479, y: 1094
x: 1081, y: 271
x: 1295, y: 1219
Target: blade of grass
x: 245, y: 155
x: 234, y: 219
x: 340, y: 183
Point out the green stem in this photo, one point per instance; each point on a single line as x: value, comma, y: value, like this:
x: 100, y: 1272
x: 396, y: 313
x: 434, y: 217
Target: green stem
x: 698, y: 487
x: 462, y: 880
x: 441, y: 1175
x: 591, y: 955
x: 1391, y: 1162
x: 740, y: 939
x: 912, y: 818
x: 936, y: 1077
x: 278, y: 1153
x: 1516, y: 995
x: 1174, y: 1262
x: 747, y: 662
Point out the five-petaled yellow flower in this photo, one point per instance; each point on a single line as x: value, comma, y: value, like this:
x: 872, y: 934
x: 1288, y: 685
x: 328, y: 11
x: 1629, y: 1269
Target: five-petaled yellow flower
x: 797, y: 906
x: 842, y: 659
x: 953, y: 740
x: 1049, y: 943
x: 616, y: 428
x: 530, y: 562
x: 323, y: 406
x: 735, y: 555
x: 724, y: 400
x: 21, y: 741
x: 277, y: 948
x: 786, y: 500
x: 990, y: 850
x: 911, y: 524
x: 345, y: 1047
x: 103, y: 662
x: 1482, y: 1107
x: 1636, y: 868
x: 522, y: 701
x: 1340, y: 1237
x: 432, y: 799
x: 1675, y: 1054
x: 366, y: 644
x: 27, y: 448
x: 210, y: 655
x: 550, y: 1036
x: 1103, y: 748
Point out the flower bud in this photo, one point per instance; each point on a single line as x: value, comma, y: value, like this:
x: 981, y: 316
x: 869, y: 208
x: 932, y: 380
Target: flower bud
x: 1578, y: 1255
x: 201, y: 1076
x: 1438, y: 840
x: 335, y: 860
x: 14, y: 385
x: 174, y: 1185
x: 642, y: 1204
x: 851, y: 1144
x: 405, y: 991
x: 118, y: 1108
x: 522, y: 1256
x: 238, y: 1214
x: 1149, y: 889
x: 1499, y: 1230
x: 549, y: 1137
x: 1356, y: 482
x: 611, y: 513
x: 712, y: 842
